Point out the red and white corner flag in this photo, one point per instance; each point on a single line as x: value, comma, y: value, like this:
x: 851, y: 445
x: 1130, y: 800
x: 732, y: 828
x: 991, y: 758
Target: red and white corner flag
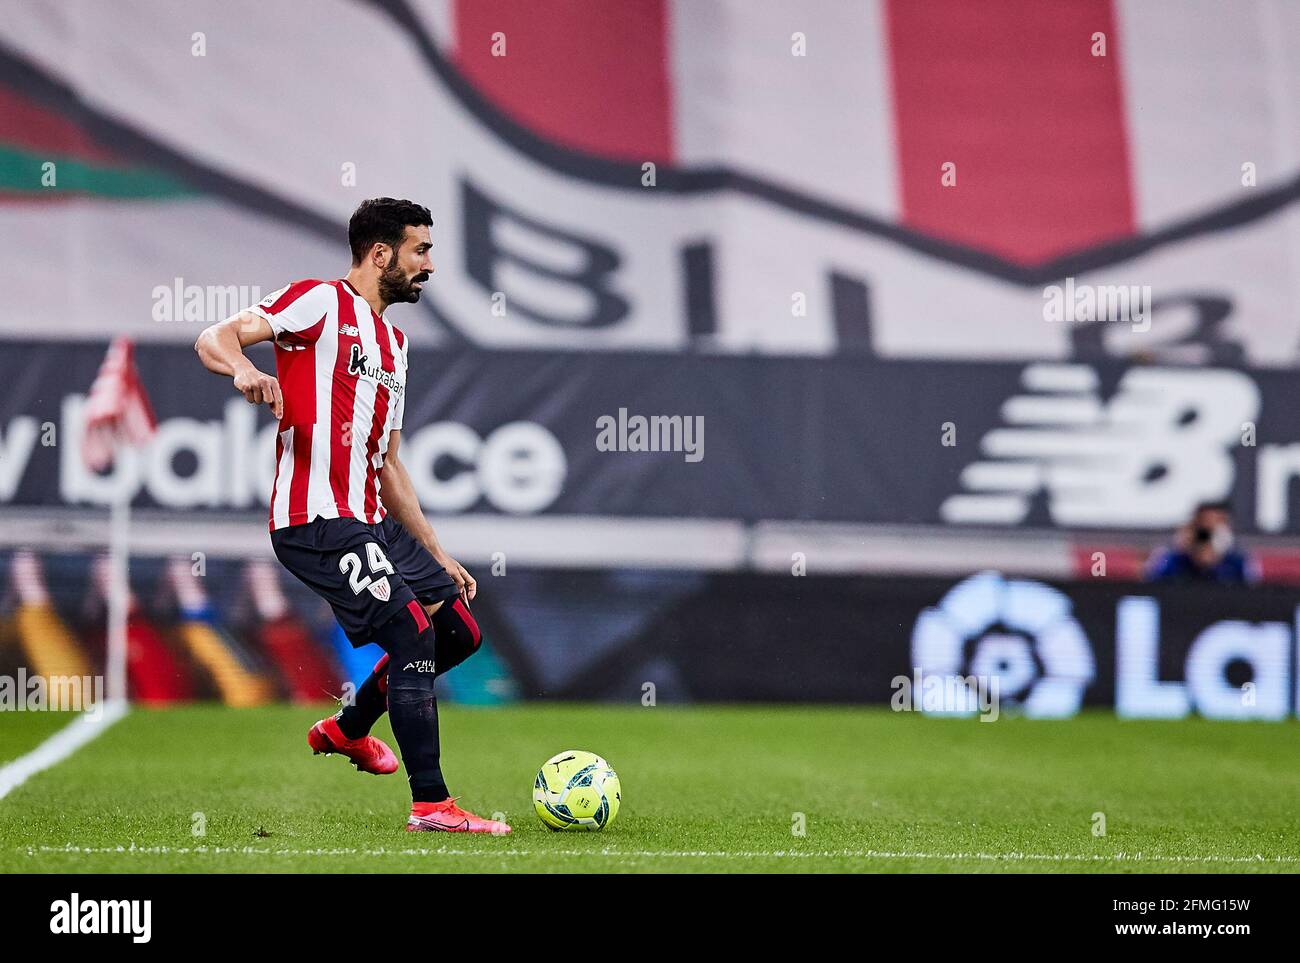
x: 118, y: 410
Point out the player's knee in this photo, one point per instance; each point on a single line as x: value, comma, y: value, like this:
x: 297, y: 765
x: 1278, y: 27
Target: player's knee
x: 457, y: 635
x: 408, y: 639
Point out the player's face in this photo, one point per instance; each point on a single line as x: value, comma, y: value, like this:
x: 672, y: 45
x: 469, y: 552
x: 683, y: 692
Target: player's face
x: 408, y: 268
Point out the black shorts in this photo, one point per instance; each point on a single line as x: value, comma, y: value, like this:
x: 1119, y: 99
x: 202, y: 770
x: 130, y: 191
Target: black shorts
x: 367, y: 573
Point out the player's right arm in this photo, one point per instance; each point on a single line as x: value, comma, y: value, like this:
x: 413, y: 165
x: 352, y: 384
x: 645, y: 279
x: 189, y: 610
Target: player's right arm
x: 221, y: 349
x: 293, y: 316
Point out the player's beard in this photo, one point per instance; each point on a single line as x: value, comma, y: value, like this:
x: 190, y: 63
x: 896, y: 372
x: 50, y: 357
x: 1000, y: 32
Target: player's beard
x: 396, y: 288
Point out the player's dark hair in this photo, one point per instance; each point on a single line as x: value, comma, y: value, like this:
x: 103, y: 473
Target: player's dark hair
x: 383, y: 220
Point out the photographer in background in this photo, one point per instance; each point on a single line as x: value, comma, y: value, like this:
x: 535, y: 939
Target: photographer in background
x: 1204, y: 550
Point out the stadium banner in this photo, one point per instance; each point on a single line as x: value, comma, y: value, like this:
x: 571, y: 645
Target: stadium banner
x: 1106, y: 447
x: 981, y: 646
x: 678, y: 176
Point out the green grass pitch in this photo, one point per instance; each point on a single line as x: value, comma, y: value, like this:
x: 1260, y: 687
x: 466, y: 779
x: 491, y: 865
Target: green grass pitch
x: 709, y: 789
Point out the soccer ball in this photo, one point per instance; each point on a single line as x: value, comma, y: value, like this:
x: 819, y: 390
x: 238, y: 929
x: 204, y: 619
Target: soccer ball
x: 576, y: 790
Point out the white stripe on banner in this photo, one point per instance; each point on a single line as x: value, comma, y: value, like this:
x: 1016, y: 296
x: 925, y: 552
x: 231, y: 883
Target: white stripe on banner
x: 1199, y: 104
x: 439, y: 18
x: 60, y: 746
x: 820, y: 121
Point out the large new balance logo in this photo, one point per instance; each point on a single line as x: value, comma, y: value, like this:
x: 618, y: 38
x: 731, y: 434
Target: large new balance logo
x: 1143, y: 459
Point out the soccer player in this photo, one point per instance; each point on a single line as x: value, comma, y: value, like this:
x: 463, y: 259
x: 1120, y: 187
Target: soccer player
x: 339, y: 396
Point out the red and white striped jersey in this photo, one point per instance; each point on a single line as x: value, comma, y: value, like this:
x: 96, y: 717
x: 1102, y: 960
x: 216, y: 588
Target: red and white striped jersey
x: 342, y: 369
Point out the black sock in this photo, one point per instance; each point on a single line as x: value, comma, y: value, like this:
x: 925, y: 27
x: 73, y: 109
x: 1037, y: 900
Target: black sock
x: 412, y: 707
x: 427, y: 784
x: 413, y: 711
x: 371, y: 702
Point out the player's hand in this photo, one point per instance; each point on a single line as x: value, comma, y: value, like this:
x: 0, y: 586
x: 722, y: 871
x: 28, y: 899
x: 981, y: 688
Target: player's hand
x: 464, y: 581
x: 258, y: 388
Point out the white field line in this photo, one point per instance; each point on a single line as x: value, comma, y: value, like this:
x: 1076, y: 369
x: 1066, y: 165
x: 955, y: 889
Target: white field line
x: 1120, y: 857
x: 59, y: 746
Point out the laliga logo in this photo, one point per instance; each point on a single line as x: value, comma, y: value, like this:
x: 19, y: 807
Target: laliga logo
x: 1021, y: 632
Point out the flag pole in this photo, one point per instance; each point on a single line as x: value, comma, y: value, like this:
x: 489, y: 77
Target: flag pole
x: 118, y: 417
x: 119, y: 595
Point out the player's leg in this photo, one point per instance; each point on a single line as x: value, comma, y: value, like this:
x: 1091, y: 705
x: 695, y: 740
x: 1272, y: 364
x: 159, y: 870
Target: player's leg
x: 407, y: 638
x: 413, y: 712
x: 456, y: 633
x: 342, y: 561
x: 346, y: 563
x: 358, y: 717
x: 456, y: 636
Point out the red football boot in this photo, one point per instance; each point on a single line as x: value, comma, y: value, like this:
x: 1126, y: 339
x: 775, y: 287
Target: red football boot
x: 447, y: 817
x: 368, y: 754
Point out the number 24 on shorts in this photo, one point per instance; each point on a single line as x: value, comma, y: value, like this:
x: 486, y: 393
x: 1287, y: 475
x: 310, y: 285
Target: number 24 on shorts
x: 378, y: 587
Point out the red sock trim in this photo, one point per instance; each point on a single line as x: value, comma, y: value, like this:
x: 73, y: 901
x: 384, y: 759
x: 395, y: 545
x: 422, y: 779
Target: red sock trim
x: 461, y: 609
x: 418, y: 613
x: 380, y: 666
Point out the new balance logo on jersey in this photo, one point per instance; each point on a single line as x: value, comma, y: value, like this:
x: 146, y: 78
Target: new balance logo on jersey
x: 359, y: 365
x: 351, y: 330
x: 1142, y: 459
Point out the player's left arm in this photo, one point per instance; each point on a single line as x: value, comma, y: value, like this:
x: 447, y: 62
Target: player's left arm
x: 399, y: 498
